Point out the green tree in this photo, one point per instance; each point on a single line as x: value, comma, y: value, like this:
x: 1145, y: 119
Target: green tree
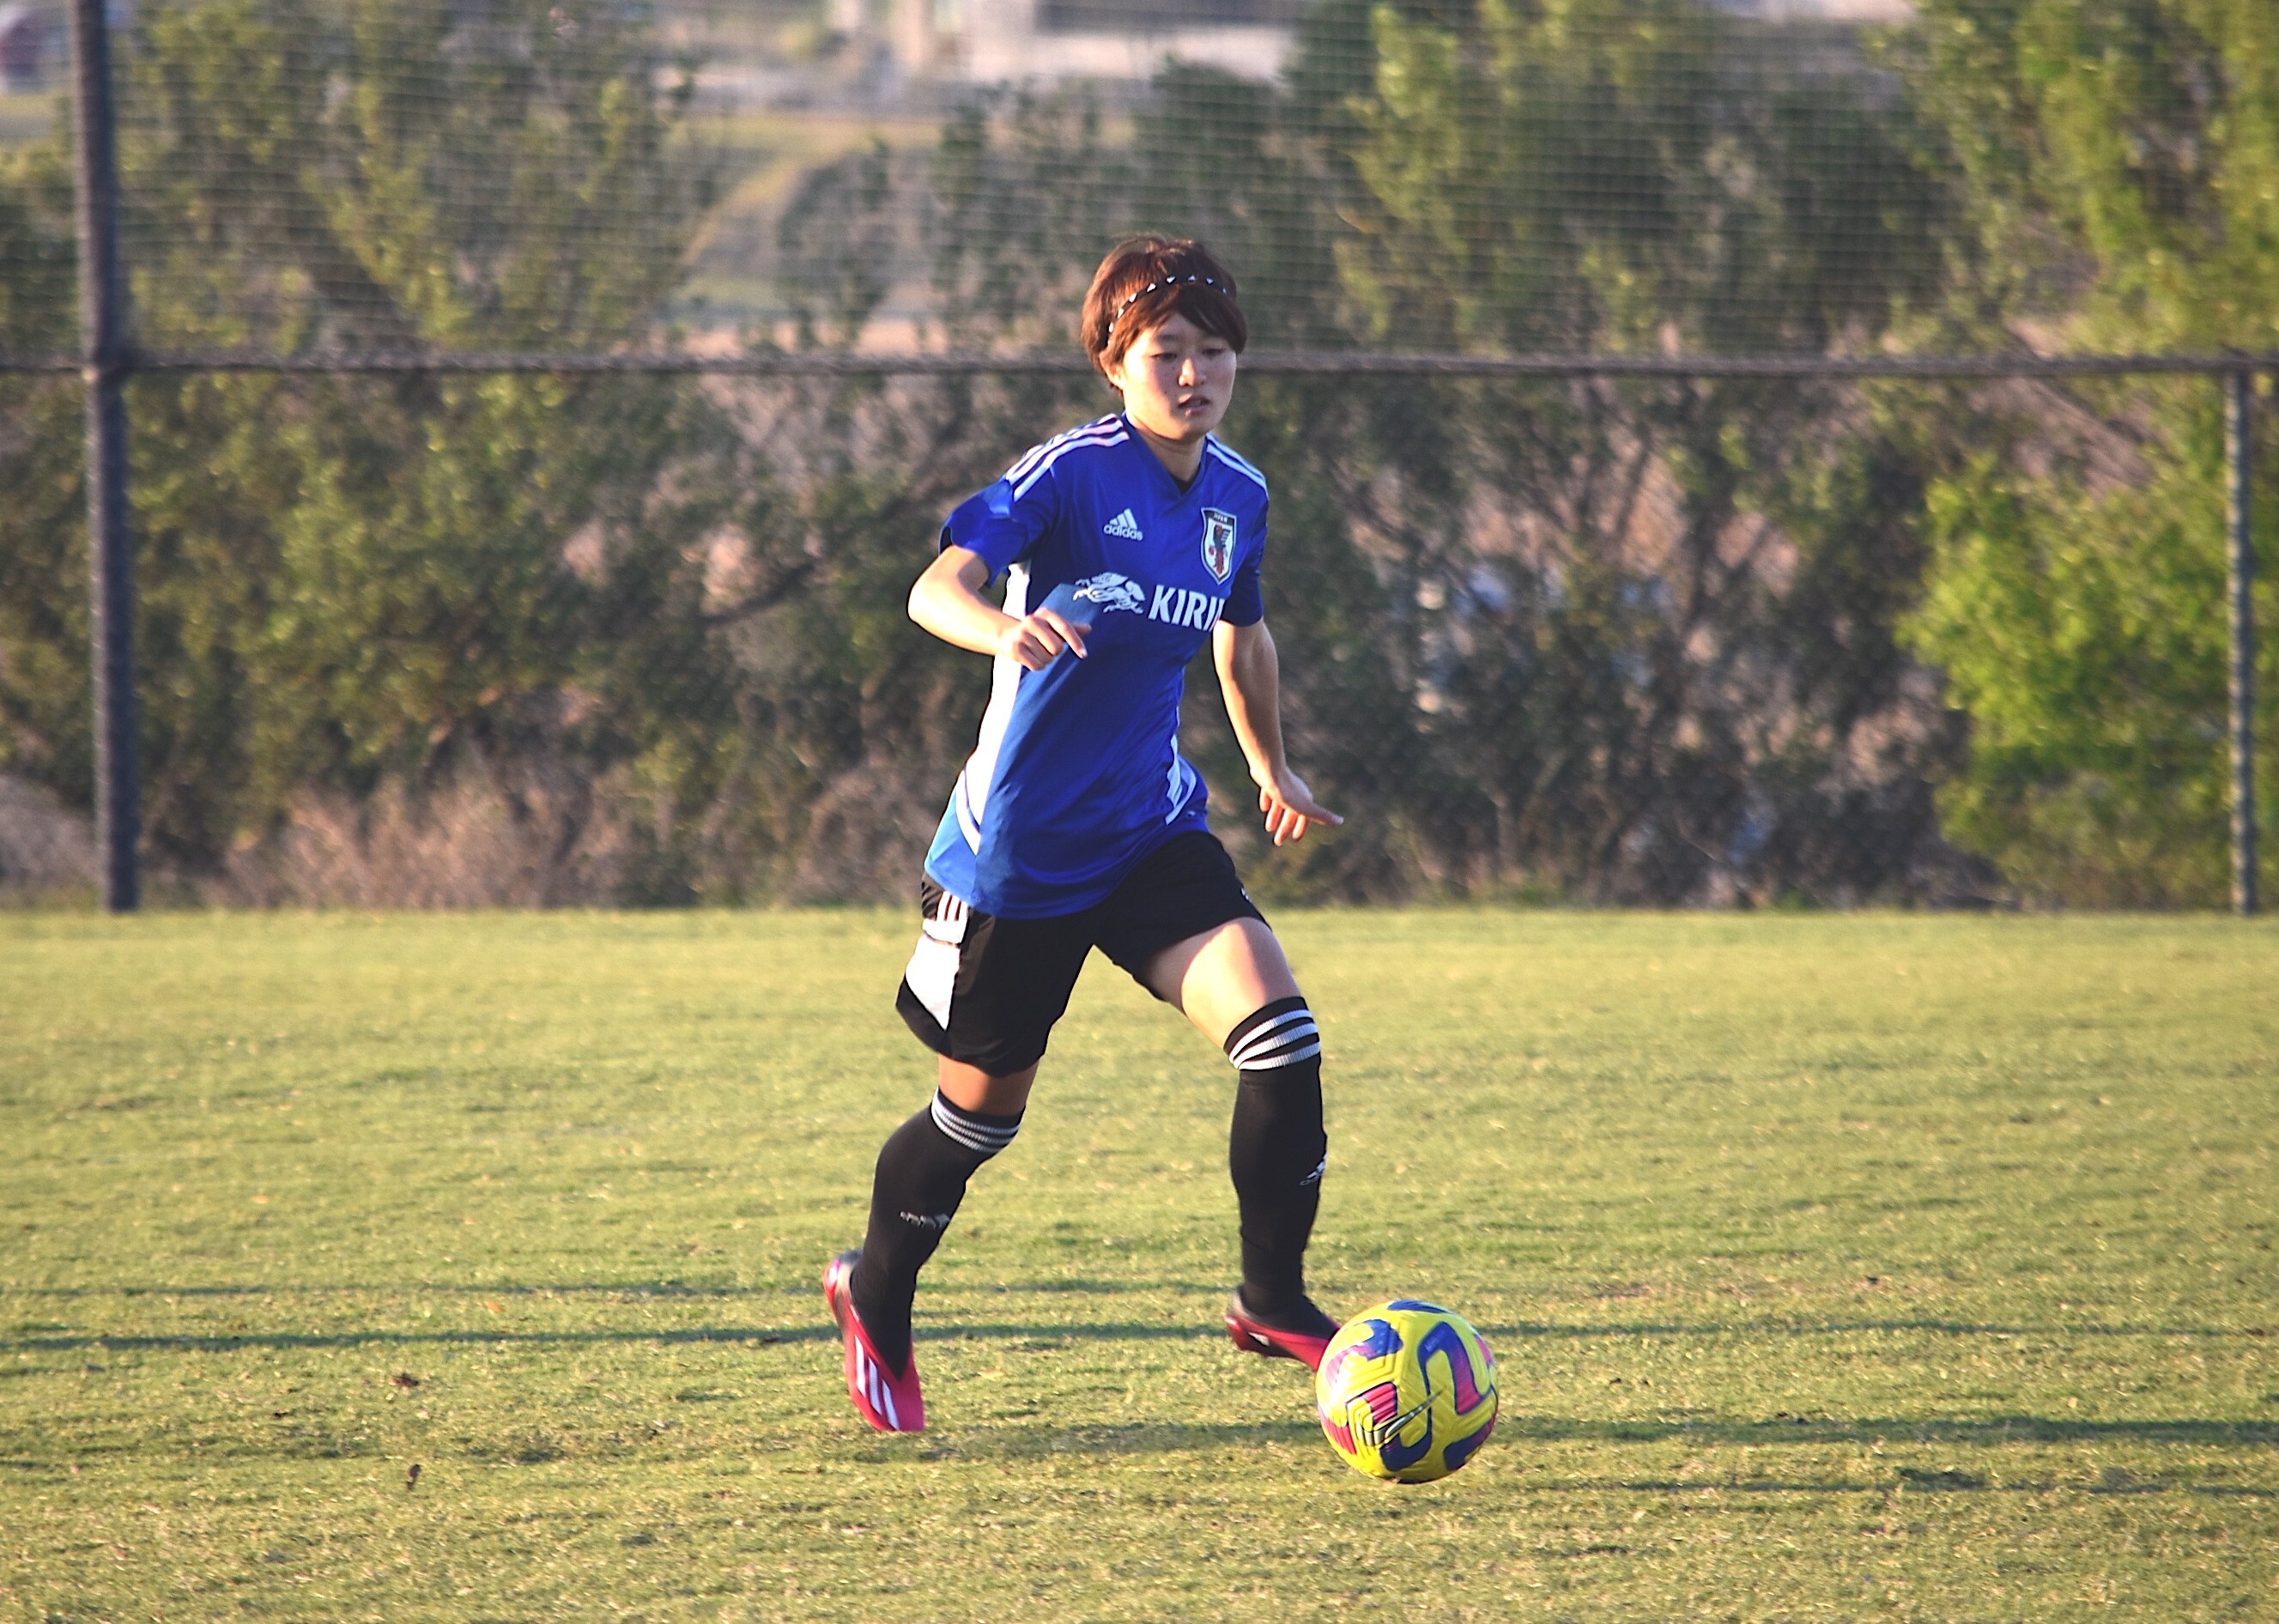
x: 1633, y: 640
x: 44, y: 730
x: 1653, y: 622
x: 2122, y: 190
x: 1572, y: 175
x: 346, y: 581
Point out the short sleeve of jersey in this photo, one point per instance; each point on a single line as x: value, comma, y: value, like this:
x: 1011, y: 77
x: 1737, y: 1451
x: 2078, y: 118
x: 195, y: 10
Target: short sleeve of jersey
x: 1246, y: 594
x: 1004, y: 523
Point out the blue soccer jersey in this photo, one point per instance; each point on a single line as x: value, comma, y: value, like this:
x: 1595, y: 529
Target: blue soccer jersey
x: 1078, y: 775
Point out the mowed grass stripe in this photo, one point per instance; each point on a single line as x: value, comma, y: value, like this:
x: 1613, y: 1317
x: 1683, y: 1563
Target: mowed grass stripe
x: 1838, y: 1266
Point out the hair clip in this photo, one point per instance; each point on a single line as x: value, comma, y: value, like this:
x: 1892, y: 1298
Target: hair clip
x: 1167, y: 281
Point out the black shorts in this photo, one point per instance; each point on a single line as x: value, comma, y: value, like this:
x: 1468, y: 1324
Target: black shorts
x: 986, y: 991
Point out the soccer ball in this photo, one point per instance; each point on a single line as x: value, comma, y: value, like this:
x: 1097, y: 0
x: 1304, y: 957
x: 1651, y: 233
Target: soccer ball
x: 1407, y: 1392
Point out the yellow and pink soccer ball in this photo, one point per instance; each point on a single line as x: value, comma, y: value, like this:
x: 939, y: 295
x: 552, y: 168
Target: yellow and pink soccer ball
x: 1407, y: 1392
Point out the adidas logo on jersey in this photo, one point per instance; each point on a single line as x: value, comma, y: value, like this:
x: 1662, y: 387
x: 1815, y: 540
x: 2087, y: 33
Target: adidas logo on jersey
x: 1123, y: 527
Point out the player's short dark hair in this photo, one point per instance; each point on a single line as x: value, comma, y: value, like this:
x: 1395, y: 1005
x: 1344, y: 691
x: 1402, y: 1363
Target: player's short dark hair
x: 1144, y: 282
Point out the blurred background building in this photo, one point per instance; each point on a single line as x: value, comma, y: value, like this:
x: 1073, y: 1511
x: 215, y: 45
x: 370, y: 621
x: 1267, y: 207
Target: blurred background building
x: 1002, y: 42
x: 989, y: 41
x: 29, y: 46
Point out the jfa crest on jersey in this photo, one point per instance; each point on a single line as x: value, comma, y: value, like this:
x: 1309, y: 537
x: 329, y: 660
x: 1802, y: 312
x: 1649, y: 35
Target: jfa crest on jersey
x: 1218, y: 542
x: 1077, y: 773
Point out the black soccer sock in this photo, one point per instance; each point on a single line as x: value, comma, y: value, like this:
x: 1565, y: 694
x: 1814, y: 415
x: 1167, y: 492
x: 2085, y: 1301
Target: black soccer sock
x: 923, y: 1169
x: 1277, y: 1150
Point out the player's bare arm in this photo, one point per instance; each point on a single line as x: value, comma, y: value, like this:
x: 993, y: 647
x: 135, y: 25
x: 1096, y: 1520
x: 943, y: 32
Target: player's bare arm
x: 1250, y: 677
x: 946, y: 600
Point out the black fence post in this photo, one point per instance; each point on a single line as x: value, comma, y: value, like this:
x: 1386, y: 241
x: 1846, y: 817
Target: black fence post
x: 110, y: 549
x: 2239, y: 503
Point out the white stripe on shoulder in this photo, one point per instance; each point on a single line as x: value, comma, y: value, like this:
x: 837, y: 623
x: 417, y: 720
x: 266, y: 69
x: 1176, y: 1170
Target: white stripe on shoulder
x: 1021, y: 487
x: 1029, y: 458
x: 1234, y: 461
x: 1044, y: 455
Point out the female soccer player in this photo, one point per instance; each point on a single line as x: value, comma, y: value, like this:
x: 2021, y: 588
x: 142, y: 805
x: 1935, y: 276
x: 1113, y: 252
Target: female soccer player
x: 1125, y: 544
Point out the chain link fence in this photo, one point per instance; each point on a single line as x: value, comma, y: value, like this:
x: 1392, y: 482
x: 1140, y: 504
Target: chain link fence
x: 1718, y: 459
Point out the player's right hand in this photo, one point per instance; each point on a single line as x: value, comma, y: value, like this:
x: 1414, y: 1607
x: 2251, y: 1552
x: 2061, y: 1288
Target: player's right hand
x: 1036, y: 641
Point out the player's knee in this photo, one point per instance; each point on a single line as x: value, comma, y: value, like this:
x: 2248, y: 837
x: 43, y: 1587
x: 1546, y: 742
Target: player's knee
x: 1274, y: 1037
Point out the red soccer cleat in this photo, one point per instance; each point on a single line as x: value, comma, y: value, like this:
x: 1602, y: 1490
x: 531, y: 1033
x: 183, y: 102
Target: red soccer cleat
x: 1305, y: 1336
x: 889, y: 1402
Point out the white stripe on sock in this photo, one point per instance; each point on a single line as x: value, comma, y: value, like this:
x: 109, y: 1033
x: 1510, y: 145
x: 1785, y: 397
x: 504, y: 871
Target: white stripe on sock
x: 1251, y: 1048
x: 1283, y: 1041
x: 1300, y: 1048
x: 979, y: 1138
x: 1262, y: 1032
x: 1275, y: 1062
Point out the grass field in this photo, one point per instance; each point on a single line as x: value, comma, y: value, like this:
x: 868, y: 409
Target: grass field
x: 1838, y: 1267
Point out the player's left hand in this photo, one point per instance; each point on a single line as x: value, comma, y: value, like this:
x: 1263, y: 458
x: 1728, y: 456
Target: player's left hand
x: 1290, y: 809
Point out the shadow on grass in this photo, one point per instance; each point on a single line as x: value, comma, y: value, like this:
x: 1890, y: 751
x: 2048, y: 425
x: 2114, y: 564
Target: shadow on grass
x: 1023, y: 1337
x: 1992, y: 1434
x: 1909, y: 1482
x: 460, y: 1287
x: 96, y: 1342
x: 1987, y: 1432
x: 1976, y: 1432
x: 1033, y: 1335
x: 51, y: 1338
x: 604, y: 1288
x: 1021, y: 1443
x: 1843, y: 1328
x: 639, y: 1291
